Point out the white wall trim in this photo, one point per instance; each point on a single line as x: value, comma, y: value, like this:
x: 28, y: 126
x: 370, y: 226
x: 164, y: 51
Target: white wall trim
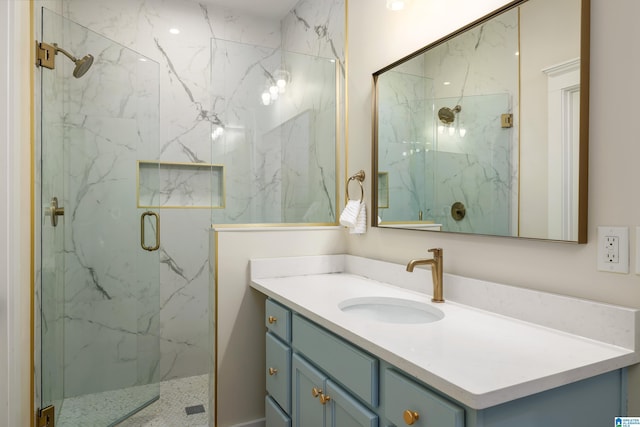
x: 563, y: 147
x: 15, y: 214
x: 5, y: 189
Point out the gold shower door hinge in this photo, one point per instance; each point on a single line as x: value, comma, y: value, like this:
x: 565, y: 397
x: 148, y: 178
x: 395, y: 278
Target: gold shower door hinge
x: 507, y: 120
x: 45, y: 55
x: 46, y: 417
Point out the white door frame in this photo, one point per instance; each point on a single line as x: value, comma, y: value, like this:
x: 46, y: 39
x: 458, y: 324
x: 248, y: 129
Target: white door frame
x: 15, y: 215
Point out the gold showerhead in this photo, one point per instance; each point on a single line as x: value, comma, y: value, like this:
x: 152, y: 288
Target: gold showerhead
x: 448, y: 115
x: 82, y: 65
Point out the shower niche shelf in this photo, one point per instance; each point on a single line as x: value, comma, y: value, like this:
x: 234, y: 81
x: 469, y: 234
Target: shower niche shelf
x: 180, y: 185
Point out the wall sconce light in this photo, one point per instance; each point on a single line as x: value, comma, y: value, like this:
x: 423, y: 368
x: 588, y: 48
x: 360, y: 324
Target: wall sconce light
x: 282, y: 78
x: 396, y: 5
x: 273, y: 92
x: 266, y: 98
x: 275, y: 85
x: 217, y: 133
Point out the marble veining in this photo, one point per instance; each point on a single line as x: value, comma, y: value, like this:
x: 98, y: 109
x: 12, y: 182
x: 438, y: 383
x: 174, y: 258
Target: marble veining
x: 154, y: 96
x: 432, y: 165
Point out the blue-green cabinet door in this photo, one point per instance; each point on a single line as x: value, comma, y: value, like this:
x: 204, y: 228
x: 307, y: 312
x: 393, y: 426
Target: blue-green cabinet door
x: 308, y: 385
x: 274, y: 415
x: 344, y: 411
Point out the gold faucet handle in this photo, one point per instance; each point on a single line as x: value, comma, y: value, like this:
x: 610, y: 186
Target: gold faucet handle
x: 435, y: 251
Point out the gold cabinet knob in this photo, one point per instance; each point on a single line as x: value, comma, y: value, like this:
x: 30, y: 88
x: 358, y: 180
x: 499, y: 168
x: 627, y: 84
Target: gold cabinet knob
x: 272, y: 319
x: 315, y: 392
x: 410, y: 417
x: 324, y: 399
x: 273, y: 371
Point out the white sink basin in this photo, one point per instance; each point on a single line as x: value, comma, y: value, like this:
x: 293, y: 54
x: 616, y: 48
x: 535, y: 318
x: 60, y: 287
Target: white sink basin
x: 391, y: 310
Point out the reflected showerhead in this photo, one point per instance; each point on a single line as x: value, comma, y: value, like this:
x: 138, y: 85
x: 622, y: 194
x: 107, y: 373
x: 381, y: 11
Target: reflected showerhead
x: 447, y: 115
x: 82, y: 65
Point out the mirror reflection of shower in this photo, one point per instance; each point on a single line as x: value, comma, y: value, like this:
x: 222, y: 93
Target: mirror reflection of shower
x: 447, y: 117
x: 46, y: 53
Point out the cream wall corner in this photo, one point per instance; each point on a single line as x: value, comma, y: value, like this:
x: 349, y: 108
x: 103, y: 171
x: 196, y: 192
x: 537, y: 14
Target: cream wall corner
x: 240, y: 311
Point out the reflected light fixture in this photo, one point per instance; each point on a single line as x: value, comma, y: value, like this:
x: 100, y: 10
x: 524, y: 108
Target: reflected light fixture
x: 217, y: 133
x: 174, y: 31
x: 273, y: 92
x: 266, y: 98
x: 282, y: 78
x: 396, y: 5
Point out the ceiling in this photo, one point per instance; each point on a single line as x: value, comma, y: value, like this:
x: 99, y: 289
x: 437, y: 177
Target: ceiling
x: 267, y: 8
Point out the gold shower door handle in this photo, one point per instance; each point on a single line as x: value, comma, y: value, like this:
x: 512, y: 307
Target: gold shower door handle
x: 54, y: 211
x: 142, y: 227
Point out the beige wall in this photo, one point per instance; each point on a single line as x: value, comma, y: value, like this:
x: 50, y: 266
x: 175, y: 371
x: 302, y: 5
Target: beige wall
x: 241, y: 339
x: 568, y: 269
x: 540, y: 49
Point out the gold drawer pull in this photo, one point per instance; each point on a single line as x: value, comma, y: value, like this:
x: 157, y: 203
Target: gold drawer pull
x: 272, y: 319
x: 273, y: 371
x: 410, y: 417
x: 324, y: 398
x: 315, y: 392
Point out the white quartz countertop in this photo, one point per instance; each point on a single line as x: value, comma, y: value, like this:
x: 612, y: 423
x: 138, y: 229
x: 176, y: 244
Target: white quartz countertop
x: 475, y: 356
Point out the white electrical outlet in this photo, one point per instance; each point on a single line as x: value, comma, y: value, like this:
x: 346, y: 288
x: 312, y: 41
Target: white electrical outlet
x: 613, y: 249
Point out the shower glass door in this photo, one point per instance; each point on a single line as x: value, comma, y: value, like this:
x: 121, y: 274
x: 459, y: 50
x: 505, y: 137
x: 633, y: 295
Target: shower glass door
x: 99, y: 289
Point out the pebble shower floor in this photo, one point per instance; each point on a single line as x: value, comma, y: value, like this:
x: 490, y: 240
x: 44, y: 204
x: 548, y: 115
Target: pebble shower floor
x: 169, y: 411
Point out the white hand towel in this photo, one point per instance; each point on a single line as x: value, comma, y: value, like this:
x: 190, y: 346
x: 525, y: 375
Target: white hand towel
x: 349, y: 216
x: 361, y: 224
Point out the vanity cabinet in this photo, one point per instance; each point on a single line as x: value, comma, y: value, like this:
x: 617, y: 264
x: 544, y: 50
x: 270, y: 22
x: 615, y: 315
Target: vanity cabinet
x: 317, y: 379
x: 320, y: 402
x: 300, y: 388
x: 406, y: 402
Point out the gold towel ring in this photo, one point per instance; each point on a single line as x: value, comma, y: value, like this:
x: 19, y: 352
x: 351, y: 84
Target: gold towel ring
x: 358, y: 177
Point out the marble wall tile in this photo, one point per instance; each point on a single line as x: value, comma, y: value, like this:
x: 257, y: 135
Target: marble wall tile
x: 108, y: 127
x: 185, y: 335
x: 406, y: 134
x: 432, y: 165
x: 185, y: 126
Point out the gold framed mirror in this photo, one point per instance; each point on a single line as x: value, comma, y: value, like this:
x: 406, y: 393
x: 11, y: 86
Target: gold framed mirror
x: 493, y: 118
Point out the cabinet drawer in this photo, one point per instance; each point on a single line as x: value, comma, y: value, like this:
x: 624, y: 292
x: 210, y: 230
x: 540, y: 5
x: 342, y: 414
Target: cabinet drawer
x: 355, y: 369
x: 278, y: 371
x: 274, y: 416
x: 403, y: 394
x: 278, y: 320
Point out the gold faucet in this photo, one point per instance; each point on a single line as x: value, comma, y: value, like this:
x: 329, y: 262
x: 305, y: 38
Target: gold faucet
x: 436, y: 271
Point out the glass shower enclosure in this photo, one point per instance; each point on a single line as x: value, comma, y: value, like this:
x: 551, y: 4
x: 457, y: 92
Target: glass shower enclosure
x: 97, y: 273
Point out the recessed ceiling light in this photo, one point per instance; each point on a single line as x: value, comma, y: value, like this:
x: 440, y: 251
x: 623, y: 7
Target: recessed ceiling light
x: 174, y: 31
